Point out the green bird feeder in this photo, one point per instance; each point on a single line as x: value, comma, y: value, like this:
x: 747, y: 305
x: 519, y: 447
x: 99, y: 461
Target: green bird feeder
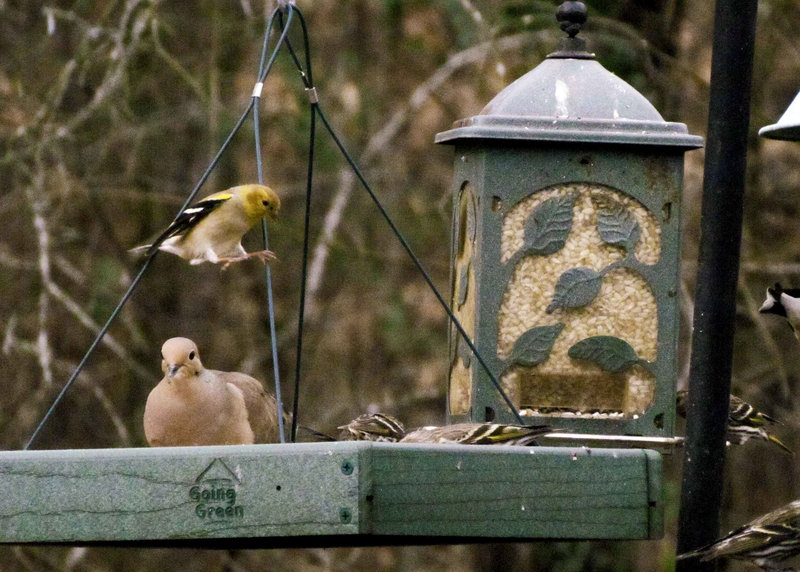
x: 565, y: 250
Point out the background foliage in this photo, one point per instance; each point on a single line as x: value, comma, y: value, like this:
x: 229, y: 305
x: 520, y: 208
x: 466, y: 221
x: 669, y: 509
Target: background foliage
x: 111, y: 110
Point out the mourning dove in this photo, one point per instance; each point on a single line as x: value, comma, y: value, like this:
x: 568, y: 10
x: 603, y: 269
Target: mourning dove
x: 211, y: 230
x: 193, y: 405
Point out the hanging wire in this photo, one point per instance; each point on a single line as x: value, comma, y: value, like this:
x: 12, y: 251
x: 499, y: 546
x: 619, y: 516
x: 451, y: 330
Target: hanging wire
x: 189, y: 200
x: 315, y: 107
x: 263, y: 70
x: 312, y: 98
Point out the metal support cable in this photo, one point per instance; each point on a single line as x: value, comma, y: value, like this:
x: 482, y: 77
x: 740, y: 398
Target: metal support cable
x: 306, y: 76
x: 263, y: 71
x: 421, y: 269
x: 134, y: 284
x: 307, y: 80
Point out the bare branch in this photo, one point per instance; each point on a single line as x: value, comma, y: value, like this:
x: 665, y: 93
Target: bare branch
x: 108, y: 340
x: 379, y: 143
x: 36, y: 199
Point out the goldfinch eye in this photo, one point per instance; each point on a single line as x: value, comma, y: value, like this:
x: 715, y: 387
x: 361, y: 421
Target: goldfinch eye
x: 191, y: 354
x: 265, y: 202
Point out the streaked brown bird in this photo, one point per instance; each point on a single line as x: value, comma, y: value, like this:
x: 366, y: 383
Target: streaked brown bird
x: 745, y: 422
x: 765, y: 541
x: 385, y: 428
x: 478, y: 434
x: 378, y: 427
x: 193, y: 405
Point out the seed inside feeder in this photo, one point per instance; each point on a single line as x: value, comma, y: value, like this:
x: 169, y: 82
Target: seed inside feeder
x: 578, y: 322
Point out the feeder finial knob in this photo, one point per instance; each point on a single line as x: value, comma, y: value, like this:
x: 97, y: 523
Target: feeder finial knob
x: 572, y: 16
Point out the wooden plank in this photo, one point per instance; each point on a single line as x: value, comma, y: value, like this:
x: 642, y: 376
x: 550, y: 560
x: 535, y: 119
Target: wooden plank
x: 305, y: 493
x: 182, y: 492
x: 542, y: 492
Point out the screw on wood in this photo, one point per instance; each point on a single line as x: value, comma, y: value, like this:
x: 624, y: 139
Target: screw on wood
x: 345, y: 515
x: 347, y: 468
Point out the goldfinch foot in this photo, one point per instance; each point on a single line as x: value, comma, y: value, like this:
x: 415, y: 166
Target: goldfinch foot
x: 265, y: 256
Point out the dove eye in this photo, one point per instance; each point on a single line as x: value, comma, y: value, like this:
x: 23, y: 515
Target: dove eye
x: 191, y: 354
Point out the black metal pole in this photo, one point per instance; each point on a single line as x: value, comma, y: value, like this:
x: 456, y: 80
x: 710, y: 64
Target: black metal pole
x: 718, y: 268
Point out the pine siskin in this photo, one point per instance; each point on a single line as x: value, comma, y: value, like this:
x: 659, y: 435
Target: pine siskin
x: 745, y: 422
x: 385, y: 428
x: 764, y: 541
x: 478, y: 434
x: 377, y: 427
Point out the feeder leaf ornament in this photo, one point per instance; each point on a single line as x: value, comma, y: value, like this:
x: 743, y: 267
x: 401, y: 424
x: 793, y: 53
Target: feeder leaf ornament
x: 576, y: 288
x: 618, y: 226
x: 533, y: 347
x: 608, y: 352
x: 549, y: 225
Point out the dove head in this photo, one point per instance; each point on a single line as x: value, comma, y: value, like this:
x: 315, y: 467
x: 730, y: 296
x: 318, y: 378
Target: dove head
x: 180, y: 358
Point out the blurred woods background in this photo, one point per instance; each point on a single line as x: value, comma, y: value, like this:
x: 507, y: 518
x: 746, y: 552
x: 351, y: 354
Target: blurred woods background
x: 111, y: 111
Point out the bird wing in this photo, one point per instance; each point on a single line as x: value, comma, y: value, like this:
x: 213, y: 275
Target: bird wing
x: 261, y: 408
x: 478, y: 434
x: 189, y: 218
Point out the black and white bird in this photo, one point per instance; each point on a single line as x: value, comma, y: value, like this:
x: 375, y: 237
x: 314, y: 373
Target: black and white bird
x: 785, y: 303
x: 765, y: 541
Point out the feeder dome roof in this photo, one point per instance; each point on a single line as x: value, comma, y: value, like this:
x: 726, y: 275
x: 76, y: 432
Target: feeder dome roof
x: 571, y: 97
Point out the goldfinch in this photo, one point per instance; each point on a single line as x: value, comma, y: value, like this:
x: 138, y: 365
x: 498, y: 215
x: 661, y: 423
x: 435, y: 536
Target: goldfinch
x: 745, y: 422
x: 375, y: 427
x: 478, y: 434
x: 785, y: 303
x: 765, y: 541
x: 193, y: 405
x: 211, y: 230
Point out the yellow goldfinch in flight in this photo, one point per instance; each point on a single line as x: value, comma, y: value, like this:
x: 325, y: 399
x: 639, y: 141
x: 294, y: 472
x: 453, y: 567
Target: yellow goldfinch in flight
x: 211, y: 230
x: 193, y: 405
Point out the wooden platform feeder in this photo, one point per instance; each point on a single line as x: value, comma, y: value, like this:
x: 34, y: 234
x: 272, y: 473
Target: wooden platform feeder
x: 564, y: 262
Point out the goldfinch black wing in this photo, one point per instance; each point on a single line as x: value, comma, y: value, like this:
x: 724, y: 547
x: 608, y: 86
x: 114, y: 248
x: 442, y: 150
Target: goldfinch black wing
x: 189, y: 218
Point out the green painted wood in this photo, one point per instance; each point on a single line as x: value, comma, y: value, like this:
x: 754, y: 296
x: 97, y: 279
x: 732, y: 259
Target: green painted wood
x: 534, y: 492
x: 182, y: 492
x: 356, y: 492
